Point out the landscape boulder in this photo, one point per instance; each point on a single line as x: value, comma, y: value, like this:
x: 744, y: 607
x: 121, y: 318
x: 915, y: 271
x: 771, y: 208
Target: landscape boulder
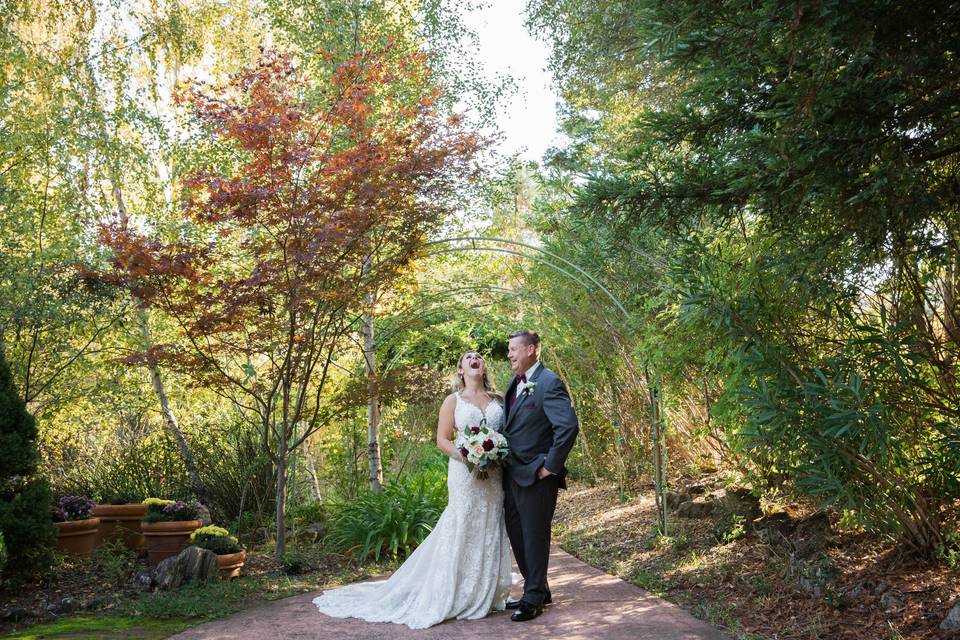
x: 952, y: 621
x: 67, y: 605
x: 675, y: 499
x: 740, y: 501
x: 696, y: 508
x: 192, y: 565
x: 311, y: 533
x: 815, y: 574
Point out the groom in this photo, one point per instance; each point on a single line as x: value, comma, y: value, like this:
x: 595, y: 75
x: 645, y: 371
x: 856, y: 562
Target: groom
x: 541, y: 427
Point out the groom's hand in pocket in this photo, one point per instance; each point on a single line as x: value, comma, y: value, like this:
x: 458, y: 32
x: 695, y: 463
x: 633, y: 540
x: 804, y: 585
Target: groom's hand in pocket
x: 543, y: 473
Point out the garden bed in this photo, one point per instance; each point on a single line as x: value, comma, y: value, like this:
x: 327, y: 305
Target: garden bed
x: 98, y: 597
x: 748, y: 585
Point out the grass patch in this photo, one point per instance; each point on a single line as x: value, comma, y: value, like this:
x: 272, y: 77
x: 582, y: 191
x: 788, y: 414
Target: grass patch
x: 647, y: 580
x: 203, y: 602
x: 101, y: 628
x: 161, y: 614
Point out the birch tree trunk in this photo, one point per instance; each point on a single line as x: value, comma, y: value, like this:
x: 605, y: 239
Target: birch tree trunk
x: 373, y: 404
x: 143, y: 323
x: 169, y: 418
x: 314, y: 481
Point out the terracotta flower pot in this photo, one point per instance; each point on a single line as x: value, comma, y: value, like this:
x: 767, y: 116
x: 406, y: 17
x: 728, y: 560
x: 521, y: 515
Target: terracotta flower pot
x: 120, y: 522
x: 230, y: 564
x: 167, y: 538
x: 77, y: 537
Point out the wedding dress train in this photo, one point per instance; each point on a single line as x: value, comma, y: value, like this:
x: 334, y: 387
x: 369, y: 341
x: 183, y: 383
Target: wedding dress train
x: 461, y: 570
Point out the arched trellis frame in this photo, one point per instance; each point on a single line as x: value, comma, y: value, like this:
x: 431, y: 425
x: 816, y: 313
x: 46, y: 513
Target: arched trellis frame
x: 428, y: 303
x: 593, y: 287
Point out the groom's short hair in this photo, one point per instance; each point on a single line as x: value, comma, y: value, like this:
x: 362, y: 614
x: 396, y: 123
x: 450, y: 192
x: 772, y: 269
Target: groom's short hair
x: 529, y: 337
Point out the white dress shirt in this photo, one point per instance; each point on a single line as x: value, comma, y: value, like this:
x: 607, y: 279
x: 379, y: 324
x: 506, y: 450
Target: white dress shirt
x: 527, y: 374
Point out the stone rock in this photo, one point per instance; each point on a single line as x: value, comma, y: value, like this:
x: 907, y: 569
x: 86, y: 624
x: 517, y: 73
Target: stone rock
x: 952, y: 621
x: 814, y: 574
x: 817, y: 525
x: 67, y: 605
x: 697, y: 489
x: 740, y: 501
x: 192, y: 565
x: 780, y: 520
x: 853, y: 594
x: 676, y: 498
x: 311, y: 533
x: 811, y: 535
x: 891, y: 600
x: 775, y: 529
x: 880, y: 587
x: 17, y: 614
x: 697, y: 508
x: 143, y: 580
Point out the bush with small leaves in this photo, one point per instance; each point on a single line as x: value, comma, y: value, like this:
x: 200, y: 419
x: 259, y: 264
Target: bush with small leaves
x: 296, y: 562
x: 25, y: 499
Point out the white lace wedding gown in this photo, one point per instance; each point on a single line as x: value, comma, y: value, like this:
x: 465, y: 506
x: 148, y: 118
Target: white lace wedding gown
x: 461, y: 570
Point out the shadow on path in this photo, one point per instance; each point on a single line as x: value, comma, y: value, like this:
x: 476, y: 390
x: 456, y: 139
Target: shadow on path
x: 587, y: 604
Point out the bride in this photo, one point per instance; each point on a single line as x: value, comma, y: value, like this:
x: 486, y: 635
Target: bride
x: 462, y: 569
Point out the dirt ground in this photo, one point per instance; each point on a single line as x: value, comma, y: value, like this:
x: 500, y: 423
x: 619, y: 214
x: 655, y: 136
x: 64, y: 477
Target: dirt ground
x: 749, y: 586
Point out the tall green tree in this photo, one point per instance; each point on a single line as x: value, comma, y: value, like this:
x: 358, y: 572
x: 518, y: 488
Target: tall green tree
x: 25, y: 500
x: 795, y: 165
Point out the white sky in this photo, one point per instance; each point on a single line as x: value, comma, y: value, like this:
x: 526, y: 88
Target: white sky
x: 528, y: 118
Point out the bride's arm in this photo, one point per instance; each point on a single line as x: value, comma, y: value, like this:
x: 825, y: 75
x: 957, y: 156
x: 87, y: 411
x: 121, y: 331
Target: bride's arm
x: 445, y: 428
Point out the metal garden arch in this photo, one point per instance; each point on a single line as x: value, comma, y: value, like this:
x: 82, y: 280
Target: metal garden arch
x: 591, y: 285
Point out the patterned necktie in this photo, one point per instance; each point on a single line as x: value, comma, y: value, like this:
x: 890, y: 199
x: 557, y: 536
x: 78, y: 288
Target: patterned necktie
x: 521, y: 379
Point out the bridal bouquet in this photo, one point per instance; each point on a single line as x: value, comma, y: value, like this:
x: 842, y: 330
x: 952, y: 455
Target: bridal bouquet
x: 482, y: 448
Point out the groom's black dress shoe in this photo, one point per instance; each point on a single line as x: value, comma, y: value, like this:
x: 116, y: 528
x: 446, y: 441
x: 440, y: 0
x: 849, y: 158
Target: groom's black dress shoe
x: 515, y: 604
x: 526, y: 612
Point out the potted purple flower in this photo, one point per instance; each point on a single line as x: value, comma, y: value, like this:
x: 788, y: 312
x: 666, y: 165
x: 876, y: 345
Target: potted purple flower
x: 76, y: 529
x: 167, y: 527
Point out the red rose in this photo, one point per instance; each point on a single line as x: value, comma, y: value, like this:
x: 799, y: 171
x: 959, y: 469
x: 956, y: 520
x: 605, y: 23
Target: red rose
x: 487, y: 445
x: 475, y: 430
x: 464, y: 452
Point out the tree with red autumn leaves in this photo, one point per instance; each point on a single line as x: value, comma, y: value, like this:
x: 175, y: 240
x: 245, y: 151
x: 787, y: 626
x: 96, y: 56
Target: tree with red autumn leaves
x: 334, y: 188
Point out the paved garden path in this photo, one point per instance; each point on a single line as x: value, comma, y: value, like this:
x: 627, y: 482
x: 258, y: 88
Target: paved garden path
x: 587, y: 604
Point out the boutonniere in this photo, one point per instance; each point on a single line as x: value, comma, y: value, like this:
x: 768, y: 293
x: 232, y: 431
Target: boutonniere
x: 529, y: 387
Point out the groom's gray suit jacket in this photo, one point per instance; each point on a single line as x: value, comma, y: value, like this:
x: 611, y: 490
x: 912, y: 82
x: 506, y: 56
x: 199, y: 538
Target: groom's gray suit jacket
x: 541, y: 428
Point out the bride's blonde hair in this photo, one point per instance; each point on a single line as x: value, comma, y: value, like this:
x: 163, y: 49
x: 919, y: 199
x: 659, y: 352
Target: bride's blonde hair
x: 488, y: 386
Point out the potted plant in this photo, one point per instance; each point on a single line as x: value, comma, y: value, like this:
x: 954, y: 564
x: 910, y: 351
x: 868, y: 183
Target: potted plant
x: 167, y: 527
x: 120, y: 518
x: 230, y: 553
x: 76, y: 529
